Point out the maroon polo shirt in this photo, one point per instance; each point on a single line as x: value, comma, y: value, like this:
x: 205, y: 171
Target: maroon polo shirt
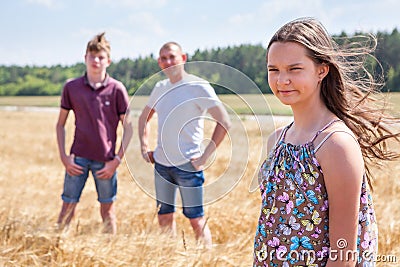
x: 97, y: 113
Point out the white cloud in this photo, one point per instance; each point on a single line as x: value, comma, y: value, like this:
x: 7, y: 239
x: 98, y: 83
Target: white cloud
x: 45, y: 3
x: 137, y: 4
x: 146, y: 23
x: 240, y: 19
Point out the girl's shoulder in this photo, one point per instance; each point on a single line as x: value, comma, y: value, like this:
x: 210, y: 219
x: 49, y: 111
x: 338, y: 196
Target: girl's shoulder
x: 274, y: 137
x: 337, y: 149
x: 337, y: 136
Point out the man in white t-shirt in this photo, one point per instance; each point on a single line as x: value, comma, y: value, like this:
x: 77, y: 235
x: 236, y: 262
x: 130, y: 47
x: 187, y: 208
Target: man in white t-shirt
x: 181, y: 103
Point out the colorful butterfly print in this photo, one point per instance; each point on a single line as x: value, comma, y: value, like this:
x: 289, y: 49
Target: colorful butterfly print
x: 271, y: 221
x: 301, y: 232
x: 299, y: 199
x: 297, y: 213
x: 323, y: 253
x: 318, y: 188
x: 314, y: 173
x: 310, y: 261
x: 271, y: 187
x: 280, y: 250
x: 271, y: 200
x: 268, y: 211
x: 311, y: 197
x: 309, y: 177
x: 297, y: 242
x: 316, y: 163
x: 324, y: 206
x: 368, y: 241
x: 286, y: 228
x: 285, y: 199
x: 371, y: 214
x: 316, y: 242
x: 309, y: 208
x: 289, y: 185
x: 261, y: 230
x: 304, y: 186
x: 262, y: 254
x: 362, y: 217
x: 316, y: 233
x: 297, y: 178
x: 310, y: 223
x: 364, y: 198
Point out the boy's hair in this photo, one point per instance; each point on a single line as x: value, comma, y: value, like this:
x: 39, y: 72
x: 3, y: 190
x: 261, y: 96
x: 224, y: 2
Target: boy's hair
x: 99, y: 43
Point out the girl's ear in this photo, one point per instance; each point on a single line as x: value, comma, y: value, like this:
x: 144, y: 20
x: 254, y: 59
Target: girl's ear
x: 323, y: 70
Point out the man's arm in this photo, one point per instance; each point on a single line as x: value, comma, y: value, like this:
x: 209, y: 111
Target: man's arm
x: 223, y: 124
x: 144, y: 131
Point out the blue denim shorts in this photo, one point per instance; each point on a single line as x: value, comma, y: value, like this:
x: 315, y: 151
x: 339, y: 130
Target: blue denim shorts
x: 73, y: 185
x: 190, y: 184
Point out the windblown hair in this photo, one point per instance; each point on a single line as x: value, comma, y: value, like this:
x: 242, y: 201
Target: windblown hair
x: 349, y: 90
x: 99, y: 43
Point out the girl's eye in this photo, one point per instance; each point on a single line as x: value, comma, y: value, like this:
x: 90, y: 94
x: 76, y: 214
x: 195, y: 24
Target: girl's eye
x: 271, y: 70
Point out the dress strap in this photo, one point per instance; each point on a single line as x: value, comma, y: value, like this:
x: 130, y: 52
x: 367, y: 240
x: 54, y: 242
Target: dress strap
x: 324, y: 128
x: 329, y: 135
x: 284, y: 131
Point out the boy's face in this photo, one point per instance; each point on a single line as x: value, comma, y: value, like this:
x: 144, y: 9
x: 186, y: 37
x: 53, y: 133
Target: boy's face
x: 97, y: 62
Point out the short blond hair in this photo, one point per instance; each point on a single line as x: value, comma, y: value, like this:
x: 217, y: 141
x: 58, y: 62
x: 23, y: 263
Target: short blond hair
x: 98, y: 43
x: 168, y: 45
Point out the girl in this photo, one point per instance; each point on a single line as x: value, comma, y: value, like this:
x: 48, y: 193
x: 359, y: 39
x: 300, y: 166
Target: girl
x: 317, y: 208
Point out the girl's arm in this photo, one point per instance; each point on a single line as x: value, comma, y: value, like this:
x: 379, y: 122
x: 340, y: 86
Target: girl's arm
x: 343, y: 167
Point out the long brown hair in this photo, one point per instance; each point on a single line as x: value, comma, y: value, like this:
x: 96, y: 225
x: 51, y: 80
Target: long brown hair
x: 349, y: 90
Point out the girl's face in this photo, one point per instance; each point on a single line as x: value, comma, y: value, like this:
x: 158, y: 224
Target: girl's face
x: 292, y: 75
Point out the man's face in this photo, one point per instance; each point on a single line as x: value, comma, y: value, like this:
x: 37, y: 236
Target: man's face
x: 170, y: 57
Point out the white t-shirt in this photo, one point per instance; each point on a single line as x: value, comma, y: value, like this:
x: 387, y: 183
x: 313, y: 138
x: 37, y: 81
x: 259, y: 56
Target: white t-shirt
x: 181, y: 108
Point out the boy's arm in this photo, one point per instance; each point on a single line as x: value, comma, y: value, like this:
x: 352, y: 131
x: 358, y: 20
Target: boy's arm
x: 126, y: 136
x: 68, y: 161
x: 144, y: 130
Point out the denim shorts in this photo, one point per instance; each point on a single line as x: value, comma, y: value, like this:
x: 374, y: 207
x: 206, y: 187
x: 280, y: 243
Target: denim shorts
x: 190, y: 184
x: 73, y: 185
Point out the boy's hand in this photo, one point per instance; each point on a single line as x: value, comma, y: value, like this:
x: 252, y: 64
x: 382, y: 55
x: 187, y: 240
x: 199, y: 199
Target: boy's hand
x: 108, y: 170
x: 71, y: 167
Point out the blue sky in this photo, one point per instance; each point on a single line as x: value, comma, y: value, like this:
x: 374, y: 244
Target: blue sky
x: 50, y: 32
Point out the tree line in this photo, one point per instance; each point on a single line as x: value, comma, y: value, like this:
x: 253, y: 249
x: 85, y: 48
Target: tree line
x: 248, y: 59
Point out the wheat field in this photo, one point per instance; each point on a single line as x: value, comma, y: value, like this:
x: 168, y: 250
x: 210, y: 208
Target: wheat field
x: 31, y: 179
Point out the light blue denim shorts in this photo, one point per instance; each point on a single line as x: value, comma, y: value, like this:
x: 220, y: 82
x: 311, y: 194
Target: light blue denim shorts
x: 73, y: 185
x: 190, y: 185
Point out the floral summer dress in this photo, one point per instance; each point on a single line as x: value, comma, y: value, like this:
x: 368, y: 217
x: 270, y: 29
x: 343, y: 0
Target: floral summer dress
x: 293, y: 225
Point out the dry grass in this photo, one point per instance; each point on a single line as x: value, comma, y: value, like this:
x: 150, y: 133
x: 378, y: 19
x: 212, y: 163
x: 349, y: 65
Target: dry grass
x: 31, y: 178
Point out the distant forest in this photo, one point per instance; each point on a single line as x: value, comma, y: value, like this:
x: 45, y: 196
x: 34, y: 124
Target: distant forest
x: 249, y: 59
